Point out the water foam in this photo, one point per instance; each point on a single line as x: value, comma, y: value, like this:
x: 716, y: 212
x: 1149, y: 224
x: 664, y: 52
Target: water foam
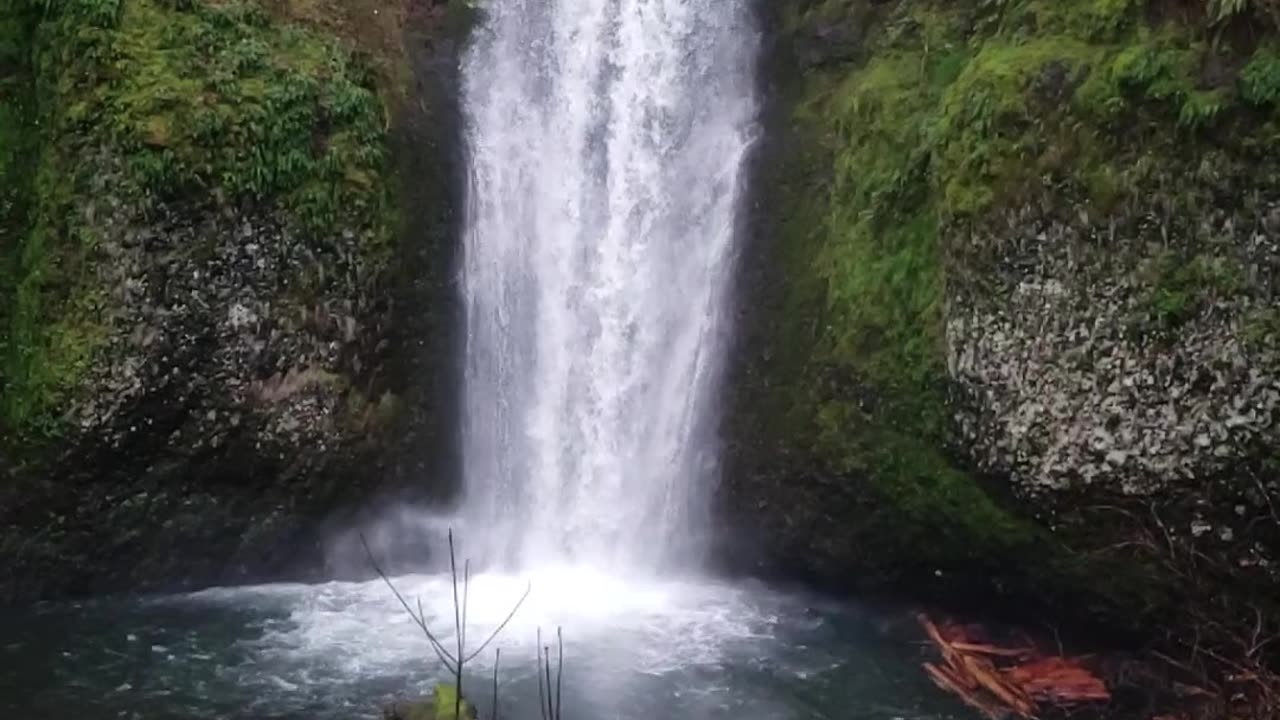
x: 636, y: 627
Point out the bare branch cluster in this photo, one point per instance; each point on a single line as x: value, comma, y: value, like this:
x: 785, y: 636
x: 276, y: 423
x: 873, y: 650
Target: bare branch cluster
x: 454, y: 661
x: 548, y: 694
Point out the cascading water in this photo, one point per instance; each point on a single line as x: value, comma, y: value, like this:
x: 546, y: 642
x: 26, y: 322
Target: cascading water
x: 607, y: 141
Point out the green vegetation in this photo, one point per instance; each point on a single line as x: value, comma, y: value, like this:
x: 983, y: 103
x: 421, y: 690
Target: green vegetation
x: 449, y: 705
x: 1179, y: 287
x: 952, y: 115
x: 142, y: 104
x: 1260, y: 79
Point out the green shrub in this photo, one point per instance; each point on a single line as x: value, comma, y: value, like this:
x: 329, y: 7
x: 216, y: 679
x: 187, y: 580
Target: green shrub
x: 1260, y: 78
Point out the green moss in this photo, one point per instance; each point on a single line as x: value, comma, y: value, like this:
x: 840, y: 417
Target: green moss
x: 19, y: 151
x: 187, y: 103
x: 880, y: 264
x: 925, y: 507
x: 952, y: 115
x: 446, y: 700
x: 17, y: 136
x: 991, y: 130
x: 1088, y: 20
x: 214, y: 99
x: 1156, y: 71
x: 857, y: 362
x: 1179, y: 288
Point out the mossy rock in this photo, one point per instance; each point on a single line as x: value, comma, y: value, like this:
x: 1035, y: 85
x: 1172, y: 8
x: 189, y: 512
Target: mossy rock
x: 203, y: 107
x: 904, y: 185
x: 199, y: 208
x: 441, y: 705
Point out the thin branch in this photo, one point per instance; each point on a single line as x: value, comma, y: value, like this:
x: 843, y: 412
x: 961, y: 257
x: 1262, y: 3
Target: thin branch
x: 528, y: 589
x: 559, y: 669
x: 436, y: 645
x: 542, y: 702
x: 466, y: 593
x: 439, y: 648
x: 497, y: 658
x: 547, y: 652
x: 448, y: 660
x: 1266, y: 496
x: 1173, y: 551
x: 457, y: 630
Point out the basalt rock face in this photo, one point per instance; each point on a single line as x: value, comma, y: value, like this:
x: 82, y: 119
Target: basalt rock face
x: 1076, y: 379
x: 212, y: 356
x: 1009, y: 324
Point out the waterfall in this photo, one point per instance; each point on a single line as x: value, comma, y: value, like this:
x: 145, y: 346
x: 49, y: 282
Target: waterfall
x: 606, y: 144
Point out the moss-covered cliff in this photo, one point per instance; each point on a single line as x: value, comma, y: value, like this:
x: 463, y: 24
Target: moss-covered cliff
x: 1013, y: 327
x: 202, y: 277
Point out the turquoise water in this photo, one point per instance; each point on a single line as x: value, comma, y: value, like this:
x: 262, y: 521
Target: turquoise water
x: 642, y: 650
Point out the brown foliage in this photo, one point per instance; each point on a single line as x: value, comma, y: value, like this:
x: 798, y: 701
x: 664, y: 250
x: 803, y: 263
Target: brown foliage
x: 999, y: 681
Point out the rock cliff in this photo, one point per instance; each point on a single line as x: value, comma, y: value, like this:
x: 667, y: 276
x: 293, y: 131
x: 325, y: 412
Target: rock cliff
x: 224, y: 221
x: 1009, y: 314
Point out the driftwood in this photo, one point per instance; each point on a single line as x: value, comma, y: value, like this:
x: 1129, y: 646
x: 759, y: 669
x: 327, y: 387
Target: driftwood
x: 999, y: 681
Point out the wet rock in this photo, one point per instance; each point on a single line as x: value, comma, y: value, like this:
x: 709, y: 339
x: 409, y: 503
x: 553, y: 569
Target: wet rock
x: 830, y: 44
x: 1062, y: 388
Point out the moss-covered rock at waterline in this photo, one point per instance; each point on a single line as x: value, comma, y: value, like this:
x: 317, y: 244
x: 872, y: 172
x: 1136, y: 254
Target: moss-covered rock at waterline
x: 198, y: 293
x: 1014, y: 328
x: 442, y: 705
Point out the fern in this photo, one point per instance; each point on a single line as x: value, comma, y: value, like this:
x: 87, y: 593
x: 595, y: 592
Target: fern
x: 1260, y: 79
x: 1222, y: 11
x: 1200, y: 109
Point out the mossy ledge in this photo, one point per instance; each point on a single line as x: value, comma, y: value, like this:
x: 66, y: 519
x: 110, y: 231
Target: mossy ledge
x: 991, y: 241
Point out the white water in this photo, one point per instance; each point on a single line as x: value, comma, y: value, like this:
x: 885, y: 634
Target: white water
x: 607, y: 140
x: 699, y: 650
x: 651, y: 628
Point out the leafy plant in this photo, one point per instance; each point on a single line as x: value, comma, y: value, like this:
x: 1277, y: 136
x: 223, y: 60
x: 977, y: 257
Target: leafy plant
x: 1260, y: 78
x: 1199, y: 109
x: 1223, y: 11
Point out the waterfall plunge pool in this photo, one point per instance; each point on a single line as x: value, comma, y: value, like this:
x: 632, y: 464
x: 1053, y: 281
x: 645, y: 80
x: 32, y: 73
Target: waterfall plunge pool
x: 642, y: 650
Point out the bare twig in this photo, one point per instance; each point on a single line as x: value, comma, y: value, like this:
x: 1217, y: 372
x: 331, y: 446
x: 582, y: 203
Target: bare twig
x: 1173, y: 551
x: 528, y: 589
x: 542, y: 701
x: 448, y: 660
x: 458, y: 631
x: 455, y: 662
x: 559, y: 668
x: 546, y: 650
x: 497, y: 658
x: 1266, y: 497
x: 466, y: 593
